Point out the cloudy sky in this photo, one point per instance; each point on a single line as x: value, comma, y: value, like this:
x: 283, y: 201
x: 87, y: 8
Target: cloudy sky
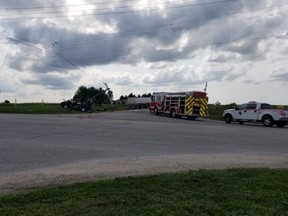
x: 50, y: 48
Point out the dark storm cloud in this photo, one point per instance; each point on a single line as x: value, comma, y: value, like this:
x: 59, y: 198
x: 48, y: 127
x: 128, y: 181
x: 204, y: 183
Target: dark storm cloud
x: 150, y: 36
x: 103, y: 52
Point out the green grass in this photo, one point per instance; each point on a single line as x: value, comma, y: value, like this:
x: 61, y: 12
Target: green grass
x: 218, y: 192
x: 216, y: 111
x: 32, y: 108
x: 39, y: 108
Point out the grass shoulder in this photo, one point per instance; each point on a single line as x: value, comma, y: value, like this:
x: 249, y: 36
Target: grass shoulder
x: 52, y: 108
x: 215, y: 192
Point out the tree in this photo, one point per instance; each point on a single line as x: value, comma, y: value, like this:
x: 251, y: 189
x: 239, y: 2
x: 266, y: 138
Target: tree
x: 131, y: 95
x: 97, y: 96
x: 146, y: 95
x: 217, y: 103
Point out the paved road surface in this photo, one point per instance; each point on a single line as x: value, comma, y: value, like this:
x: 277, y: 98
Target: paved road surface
x: 37, y: 150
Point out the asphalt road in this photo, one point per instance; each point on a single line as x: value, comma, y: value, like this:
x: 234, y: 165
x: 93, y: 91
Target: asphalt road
x: 37, y: 150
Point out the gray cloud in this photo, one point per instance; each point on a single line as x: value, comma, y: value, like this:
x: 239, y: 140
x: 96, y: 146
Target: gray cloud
x: 90, y: 49
x: 51, y: 81
x: 281, y: 77
x: 152, y: 37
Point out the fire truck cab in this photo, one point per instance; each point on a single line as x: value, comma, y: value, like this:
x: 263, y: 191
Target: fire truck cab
x: 191, y: 104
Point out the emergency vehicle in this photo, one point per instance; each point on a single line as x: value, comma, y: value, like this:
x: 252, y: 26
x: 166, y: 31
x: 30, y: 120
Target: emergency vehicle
x: 191, y: 104
x: 256, y: 112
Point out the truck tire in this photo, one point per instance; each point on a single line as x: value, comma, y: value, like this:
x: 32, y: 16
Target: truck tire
x: 156, y: 112
x: 191, y: 117
x: 228, y: 118
x: 267, y: 121
x: 173, y: 114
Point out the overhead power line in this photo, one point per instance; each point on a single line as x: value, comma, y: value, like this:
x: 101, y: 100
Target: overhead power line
x: 117, y: 12
x: 105, y: 3
x: 59, y: 53
x: 275, y: 35
x: 65, y: 7
x: 68, y: 5
x: 19, y: 40
x: 143, y: 52
x: 189, y: 46
x: 160, y: 29
x: 71, y: 61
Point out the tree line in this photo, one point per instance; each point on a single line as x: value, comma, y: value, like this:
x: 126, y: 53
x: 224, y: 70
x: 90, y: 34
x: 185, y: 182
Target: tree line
x: 124, y: 97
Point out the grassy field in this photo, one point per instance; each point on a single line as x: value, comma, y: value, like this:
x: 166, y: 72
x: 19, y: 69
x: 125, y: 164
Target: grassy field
x: 215, y: 111
x: 223, y: 192
x: 39, y: 108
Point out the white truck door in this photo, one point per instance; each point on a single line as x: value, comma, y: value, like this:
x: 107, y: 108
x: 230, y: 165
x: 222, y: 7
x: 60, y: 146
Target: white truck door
x: 251, y: 112
x: 240, y: 112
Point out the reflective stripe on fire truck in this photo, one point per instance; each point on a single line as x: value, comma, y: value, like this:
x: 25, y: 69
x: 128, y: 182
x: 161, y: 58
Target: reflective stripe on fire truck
x: 204, y: 107
x: 195, y: 101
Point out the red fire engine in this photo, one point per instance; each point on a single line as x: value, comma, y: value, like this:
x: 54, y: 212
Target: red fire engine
x: 192, y: 104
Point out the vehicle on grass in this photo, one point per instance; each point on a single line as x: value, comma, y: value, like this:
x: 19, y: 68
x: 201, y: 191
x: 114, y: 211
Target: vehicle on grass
x: 79, y: 104
x: 191, y: 104
x: 256, y: 112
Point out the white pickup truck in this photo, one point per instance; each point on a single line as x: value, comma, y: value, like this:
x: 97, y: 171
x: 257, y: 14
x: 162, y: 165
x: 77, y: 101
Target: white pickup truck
x: 254, y: 111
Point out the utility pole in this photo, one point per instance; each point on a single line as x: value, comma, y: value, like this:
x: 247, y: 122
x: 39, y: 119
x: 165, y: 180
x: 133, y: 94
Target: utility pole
x: 206, y: 85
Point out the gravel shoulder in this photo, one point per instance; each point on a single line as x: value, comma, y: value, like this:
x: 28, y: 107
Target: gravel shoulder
x: 92, y: 170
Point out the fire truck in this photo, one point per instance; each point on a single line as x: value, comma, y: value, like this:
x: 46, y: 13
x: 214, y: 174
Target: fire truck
x: 191, y: 104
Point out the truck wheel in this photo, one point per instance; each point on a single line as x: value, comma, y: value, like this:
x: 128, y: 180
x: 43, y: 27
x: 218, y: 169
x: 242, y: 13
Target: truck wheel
x: 267, y: 121
x: 192, y: 117
x: 156, y: 111
x: 173, y: 114
x: 228, y: 118
x: 281, y: 124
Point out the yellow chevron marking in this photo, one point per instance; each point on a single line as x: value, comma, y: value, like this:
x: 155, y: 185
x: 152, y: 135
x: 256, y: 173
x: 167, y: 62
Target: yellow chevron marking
x: 204, y: 107
x: 193, y: 101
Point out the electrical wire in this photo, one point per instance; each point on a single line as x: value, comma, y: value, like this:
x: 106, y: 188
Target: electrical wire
x: 189, y: 46
x: 71, y: 60
x: 20, y: 40
x: 71, y: 5
x: 133, y: 33
x: 153, y: 51
x: 160, y: 29
x: 94, y: 4
x: 117, y: 12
